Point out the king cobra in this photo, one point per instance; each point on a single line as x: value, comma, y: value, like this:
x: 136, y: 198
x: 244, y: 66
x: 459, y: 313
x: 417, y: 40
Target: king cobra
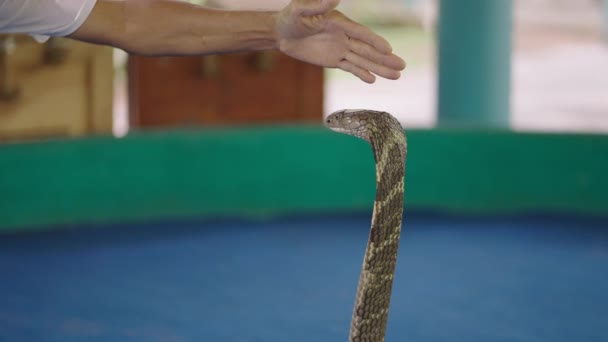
x: 389, y: 146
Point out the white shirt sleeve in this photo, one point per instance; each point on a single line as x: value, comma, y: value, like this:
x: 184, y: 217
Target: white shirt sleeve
x: 44, y: 18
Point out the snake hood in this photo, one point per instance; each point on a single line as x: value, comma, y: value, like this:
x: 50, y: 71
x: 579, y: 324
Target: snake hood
x: 388, y: 141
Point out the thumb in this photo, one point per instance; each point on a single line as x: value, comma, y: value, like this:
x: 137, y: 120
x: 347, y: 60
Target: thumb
x: 315, y: 7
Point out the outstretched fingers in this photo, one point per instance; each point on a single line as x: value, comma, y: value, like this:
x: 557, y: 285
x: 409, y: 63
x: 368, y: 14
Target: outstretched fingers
x: 368, y: 58
x: 363, y: 74
x: 366, y: 51
x: 359, y: 50
x: 372, y: 67
x: 361, y: 33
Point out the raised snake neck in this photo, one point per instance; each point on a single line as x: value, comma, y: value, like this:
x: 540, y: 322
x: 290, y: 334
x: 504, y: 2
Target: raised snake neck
x: 388, y: 141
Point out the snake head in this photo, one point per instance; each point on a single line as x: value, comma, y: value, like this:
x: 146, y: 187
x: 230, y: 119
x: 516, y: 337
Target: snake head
x: 355, y: 122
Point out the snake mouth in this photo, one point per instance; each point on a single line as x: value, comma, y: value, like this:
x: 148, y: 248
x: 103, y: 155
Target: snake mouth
x: 339, y: 130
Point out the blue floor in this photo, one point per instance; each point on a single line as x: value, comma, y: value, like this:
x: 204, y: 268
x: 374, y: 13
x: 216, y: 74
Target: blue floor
x: 292, y: 280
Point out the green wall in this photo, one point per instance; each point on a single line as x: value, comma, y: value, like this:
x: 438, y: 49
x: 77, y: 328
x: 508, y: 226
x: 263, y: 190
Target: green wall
x: 292, y: 170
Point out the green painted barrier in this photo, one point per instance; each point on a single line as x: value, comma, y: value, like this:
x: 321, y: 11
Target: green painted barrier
x: 292, y: 170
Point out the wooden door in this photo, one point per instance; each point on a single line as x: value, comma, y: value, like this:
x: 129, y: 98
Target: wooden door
x: 233, y: 89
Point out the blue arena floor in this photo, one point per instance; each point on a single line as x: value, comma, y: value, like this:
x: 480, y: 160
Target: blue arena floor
x: 458, y: 279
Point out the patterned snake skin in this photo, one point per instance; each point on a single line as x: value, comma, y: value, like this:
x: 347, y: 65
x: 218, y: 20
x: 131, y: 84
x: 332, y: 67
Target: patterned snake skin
x: 389, y: 146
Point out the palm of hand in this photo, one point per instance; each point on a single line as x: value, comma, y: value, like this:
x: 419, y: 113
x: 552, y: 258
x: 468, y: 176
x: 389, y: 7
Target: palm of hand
x: 309, y: 39
x: 312, y: 31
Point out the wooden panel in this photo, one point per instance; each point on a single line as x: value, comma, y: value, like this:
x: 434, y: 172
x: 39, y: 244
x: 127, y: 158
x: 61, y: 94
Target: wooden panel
x: 242, y: 88
x: 168, y: 91
x: 310, y: 91
x: 43, y: 108
x: 100, y: 91
x: 61, y: 92
x: 250, y: 94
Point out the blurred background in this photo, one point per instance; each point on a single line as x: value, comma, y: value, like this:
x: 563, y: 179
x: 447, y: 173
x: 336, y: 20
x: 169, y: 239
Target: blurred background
x: 559, y: 64
x: 201, y: 199
x: 553, y: 80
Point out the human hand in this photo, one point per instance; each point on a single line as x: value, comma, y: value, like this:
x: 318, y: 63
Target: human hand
x: 314, y: 32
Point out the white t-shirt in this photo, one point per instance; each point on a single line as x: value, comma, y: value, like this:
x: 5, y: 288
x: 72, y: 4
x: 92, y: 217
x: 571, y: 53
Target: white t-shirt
x: 43, y: 18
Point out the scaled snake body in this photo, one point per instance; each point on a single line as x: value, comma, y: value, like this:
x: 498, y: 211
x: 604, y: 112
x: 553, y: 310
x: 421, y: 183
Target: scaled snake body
x: 388, y: 142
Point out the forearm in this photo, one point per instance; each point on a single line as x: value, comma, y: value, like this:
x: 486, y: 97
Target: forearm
x: 165, y: 27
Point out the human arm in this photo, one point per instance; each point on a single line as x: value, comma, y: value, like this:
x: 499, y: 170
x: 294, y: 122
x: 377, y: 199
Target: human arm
x: 166, y: 27
x: 308, y: 30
